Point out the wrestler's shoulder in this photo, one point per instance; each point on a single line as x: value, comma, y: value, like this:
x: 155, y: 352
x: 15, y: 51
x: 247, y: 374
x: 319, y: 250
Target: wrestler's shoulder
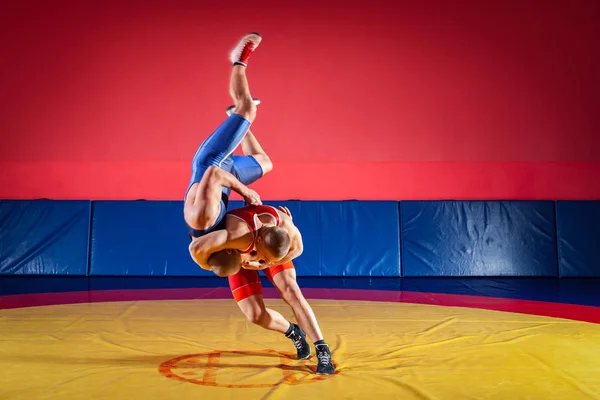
x: 236, y: 225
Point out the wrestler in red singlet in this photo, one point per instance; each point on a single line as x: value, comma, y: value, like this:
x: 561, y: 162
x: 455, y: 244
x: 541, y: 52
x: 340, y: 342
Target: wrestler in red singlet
x: 250, y: 215
x: 247, y: 282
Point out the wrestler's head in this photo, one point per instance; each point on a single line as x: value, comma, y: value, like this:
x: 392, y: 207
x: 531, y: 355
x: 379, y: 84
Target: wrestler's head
x: 225, y: 262
x: 272, y: 244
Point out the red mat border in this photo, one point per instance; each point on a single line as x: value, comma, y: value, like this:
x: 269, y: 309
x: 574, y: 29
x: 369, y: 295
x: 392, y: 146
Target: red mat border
x: 542, y: 308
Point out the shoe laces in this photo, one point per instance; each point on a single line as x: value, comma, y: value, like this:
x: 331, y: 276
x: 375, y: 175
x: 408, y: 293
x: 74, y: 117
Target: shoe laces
x: 298, y: 342
x: 324, y: 356
x: 297, y: 339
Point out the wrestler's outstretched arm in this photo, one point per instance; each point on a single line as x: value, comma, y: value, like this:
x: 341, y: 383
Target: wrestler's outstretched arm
x: 203, y: 247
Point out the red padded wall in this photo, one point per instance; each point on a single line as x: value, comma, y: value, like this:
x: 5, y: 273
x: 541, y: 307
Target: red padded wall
x: 361, y: 100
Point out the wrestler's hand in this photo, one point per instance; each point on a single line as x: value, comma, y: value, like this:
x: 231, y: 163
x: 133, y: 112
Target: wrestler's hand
x: 253, y: 265
x: 251, y: 197
x: 286, y: 210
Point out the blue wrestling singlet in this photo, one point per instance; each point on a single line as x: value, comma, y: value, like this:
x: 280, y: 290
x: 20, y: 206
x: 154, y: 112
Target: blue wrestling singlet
x: 216, y: 151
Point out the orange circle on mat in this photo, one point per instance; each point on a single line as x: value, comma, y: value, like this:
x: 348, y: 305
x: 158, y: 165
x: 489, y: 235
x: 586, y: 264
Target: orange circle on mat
x: 205, y: 367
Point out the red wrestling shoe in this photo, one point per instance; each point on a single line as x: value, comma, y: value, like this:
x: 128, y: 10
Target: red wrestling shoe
x: 245, y: 48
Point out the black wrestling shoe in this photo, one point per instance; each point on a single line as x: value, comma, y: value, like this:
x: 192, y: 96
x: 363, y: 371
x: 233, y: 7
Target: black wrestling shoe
x: 325, y: 365
x: 299, y: 338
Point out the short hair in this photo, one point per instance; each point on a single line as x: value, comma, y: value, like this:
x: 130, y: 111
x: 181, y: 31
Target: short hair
x: 277, y: 240
x: 225, y: 263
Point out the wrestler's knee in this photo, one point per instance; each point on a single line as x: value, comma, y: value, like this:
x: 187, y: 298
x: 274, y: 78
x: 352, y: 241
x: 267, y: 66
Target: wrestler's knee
x: 253, y: 309
x: 265, y: 163
x: 246, y: 108
x: 257, y: 316
x: 291, y: 293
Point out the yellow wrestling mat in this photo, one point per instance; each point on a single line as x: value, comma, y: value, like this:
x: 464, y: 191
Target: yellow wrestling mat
x: 205, y: 349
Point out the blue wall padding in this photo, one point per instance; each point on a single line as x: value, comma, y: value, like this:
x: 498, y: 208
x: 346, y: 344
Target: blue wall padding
x: 478, y: 238
x: 44, y: 237
x: 578, y: 226
x: 141, y: 238
x: 341, y: 238
x: 360, y: 238
x: 306, y: 216
x: 347, y: 238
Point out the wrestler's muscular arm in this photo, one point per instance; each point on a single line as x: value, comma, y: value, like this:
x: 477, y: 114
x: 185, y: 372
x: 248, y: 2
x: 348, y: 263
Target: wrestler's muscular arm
x: 203, y: 206
x: 201, y: 248
x: 224, y: 178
